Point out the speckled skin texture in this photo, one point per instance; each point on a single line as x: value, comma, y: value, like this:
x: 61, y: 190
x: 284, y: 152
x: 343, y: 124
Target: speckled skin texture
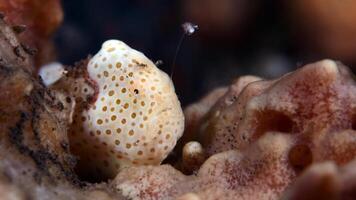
x: 135, y: 117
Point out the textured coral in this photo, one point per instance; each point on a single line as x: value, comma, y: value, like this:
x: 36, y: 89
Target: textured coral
x: 262, y: 172
x: 268, y: 133
x: 34, y: 149
x: 311, y: 104
x: 35, y: 161
x: 148, y: 182
x: 210, y: 125
x: 194, y: 114
x: 29, y: 115
x: 325, y: 181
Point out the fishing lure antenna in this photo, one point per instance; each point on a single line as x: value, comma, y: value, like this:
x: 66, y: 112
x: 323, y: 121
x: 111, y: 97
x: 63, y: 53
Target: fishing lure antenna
x: 188, y: 29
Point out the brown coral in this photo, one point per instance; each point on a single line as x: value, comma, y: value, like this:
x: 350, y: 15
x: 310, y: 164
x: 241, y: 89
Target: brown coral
x: 35, y: 162
x: 33, y: 141
x: 41, y: 17
x: 28, y: 112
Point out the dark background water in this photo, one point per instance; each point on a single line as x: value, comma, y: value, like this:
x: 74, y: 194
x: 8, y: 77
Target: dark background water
x: 236, y: 37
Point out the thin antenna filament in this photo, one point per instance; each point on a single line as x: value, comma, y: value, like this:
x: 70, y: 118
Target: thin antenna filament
x: 188, y: 29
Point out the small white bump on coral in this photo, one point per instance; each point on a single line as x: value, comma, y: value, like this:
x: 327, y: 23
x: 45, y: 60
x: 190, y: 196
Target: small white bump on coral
x: 193, y: 156
x: 51, y: 73
x: 136, y: 118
